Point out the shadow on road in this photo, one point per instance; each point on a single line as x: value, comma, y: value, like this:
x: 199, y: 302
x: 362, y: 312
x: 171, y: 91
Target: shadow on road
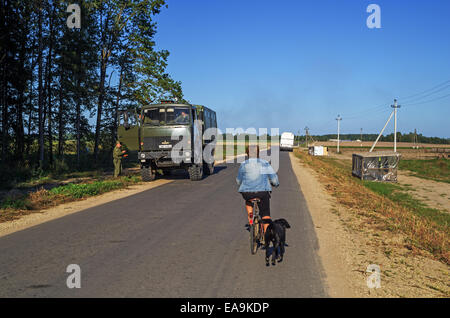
x: 217, y: 169
x: 181, y: 174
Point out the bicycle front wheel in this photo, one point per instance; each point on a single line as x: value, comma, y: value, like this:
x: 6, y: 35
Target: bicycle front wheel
x: 253, y: 238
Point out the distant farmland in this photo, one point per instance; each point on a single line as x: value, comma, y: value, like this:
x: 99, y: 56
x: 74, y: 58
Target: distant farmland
x: 425, y: 151
x: 380, y: 144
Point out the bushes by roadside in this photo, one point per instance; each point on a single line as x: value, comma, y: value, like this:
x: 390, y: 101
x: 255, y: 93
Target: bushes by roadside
x: 12, y: 208
x: 28, y: 173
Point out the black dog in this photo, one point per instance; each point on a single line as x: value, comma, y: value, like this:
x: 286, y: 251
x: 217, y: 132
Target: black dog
x: 276, y: 233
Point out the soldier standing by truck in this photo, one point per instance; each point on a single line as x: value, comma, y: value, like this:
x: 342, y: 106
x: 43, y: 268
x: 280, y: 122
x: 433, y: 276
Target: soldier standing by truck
x: 117, y: 158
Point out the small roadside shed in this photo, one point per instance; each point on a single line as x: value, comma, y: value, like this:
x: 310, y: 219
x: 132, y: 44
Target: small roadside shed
x: 376, y: 166
x: 318, y: 151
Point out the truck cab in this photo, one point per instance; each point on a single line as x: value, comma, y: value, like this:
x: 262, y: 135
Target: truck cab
x: 287, y: 141
x: 165, y: 136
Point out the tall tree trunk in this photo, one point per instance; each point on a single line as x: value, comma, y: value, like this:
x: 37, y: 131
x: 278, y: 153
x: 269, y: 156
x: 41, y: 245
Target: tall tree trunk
x: 104, y: 55
x: 21, y: 95
x: 77, y: 124
x: 40, y: 93
x: 30, y: 117
x: 30, y: 137
x: 60, y: 117
x: 116, y: 109
x: 3, y: 84
x: 49, y: 90
x: 101, y: 98
x: 77, y: 127
x: 19, y: 128
x: 4, y: 116
x: 78, y: 107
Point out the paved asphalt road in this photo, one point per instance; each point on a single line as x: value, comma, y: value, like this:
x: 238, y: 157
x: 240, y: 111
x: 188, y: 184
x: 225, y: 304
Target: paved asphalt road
x: 182, y: 239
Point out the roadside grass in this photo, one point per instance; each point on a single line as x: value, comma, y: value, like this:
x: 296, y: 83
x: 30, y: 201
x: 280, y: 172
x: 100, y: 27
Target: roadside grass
x: 32, y: 202
x: 384, y: 207
x: 368, y: 147
x: 54, y: 178
x: 78, y: 191
x: 434, y: 169
x: 396, y: 193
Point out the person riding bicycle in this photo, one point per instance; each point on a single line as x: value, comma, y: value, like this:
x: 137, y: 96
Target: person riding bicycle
x: 255, y: 178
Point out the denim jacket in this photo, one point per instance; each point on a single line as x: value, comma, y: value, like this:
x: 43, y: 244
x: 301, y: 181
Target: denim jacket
x: 256, y: 175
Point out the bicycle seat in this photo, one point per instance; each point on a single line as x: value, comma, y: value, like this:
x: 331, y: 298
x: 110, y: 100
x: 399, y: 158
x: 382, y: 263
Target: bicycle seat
x: 255, y: 200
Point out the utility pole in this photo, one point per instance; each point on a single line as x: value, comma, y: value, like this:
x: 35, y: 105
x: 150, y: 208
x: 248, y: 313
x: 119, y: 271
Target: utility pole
x: 307, y: 132
x: 339, y: 118
x: 415, y: 139
x: 395, y: 106
x: 361, y: 137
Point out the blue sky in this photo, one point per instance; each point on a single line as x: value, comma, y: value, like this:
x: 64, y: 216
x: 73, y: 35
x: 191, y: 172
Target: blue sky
x: 291, y: 64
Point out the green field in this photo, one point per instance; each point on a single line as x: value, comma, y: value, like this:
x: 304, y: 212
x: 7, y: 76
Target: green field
x: 398, y: 194
x: 433, y: 169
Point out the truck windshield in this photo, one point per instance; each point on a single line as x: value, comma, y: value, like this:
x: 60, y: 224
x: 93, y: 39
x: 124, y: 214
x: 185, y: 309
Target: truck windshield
x: 177, y: 115
x: 154, y: 116
x: 162, y: 116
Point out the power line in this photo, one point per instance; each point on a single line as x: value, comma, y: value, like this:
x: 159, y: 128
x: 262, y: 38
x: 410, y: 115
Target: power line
x: 426, y: 95
x: 431, y: 91
x: 428, y: 101
x: 414, y: 99
x: 373, y: 113
x: 427, y: 90
x: 364, y: 112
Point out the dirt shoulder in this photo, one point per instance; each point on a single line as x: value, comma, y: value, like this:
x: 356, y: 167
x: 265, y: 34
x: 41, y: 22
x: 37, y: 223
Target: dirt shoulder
x: 433, y: 193
x: 64, y: 209
x: 341, y: 281
x: 349, y: 241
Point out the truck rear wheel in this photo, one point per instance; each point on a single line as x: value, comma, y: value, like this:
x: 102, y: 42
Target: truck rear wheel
x: 148, y: 174
x: 208, y: 168
x: 195, y: 172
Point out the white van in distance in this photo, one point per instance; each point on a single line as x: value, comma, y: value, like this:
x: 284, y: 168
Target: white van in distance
x: 287, y: 141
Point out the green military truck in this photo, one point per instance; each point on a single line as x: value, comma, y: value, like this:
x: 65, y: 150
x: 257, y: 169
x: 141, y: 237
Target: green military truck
x: 157, y: 131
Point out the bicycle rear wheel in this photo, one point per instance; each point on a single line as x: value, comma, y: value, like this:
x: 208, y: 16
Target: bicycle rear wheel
x: 253, y: 238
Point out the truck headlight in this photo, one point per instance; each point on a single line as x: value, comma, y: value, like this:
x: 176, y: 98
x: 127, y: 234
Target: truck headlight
x: 142, y: 155
x: 187, y: 154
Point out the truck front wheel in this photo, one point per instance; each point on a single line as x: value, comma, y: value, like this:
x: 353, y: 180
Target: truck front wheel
x: 195, y: 172
x: 148, y: 174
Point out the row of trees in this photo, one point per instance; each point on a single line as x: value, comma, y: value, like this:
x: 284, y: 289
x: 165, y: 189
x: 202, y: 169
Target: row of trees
x: 53, y: 78
x: 365, y: 137
x: 390, y: 137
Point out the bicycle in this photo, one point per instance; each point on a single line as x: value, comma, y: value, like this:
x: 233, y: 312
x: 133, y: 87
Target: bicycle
x: 256, y: 228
